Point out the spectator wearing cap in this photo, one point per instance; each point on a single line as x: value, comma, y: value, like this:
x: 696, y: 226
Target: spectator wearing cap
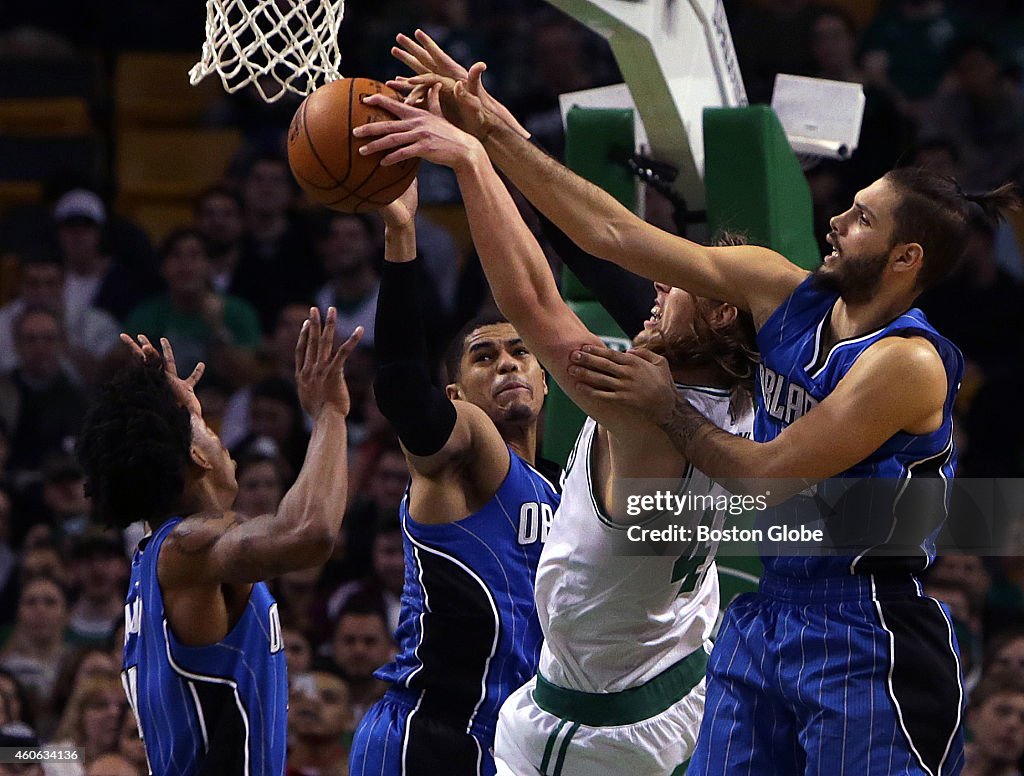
x: 64, y: 504
x: 100, y: 570
x: 51, y: 406
x: 92, y: 278
x: 223, y: 331
x: 91, y: 333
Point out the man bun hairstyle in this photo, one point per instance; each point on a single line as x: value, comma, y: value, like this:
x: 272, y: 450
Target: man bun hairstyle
x: 135, y: 448
x: 936, y: 213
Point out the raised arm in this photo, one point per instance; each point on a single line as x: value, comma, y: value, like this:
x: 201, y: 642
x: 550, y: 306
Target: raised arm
x: 751, y: 277
x: 859, y: 416
x: 627, y: 297
x: 437, y: 433
x: 516, y: 269
x: 227, y: 548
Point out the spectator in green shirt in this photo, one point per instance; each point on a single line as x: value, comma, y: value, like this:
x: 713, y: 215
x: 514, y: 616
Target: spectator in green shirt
x: 222, y: 330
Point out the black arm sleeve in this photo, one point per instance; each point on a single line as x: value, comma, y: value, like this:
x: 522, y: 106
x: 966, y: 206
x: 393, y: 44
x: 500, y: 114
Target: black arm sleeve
x: 421, y: 413
x: 626, y: 296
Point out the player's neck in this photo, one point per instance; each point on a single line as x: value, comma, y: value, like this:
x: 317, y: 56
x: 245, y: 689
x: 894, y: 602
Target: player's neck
x: 852, y: 320
x: 203, y: 497
x: 522, y: 438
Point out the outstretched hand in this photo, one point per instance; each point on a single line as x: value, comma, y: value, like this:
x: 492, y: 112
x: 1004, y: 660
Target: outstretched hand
x: 638, y: 380
x: 418, y: 132
x: 319, y: 367
x: 425, y: 58
x: 184, y: 390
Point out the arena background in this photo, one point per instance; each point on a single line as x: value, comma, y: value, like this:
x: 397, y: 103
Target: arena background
x: 105, y: 151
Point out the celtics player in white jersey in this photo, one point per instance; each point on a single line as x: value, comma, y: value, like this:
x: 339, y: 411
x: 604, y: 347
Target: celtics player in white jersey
x: 620, y: 685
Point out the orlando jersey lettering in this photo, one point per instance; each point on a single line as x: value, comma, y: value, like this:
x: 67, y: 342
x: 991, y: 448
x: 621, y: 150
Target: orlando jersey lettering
x: 468, y: 633
x: 797, y: 373
x: 217, y: 710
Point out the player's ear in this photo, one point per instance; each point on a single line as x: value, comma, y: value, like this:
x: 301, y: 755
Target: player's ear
x: 544, y: 380
x: 908, y: 257
x: 453, y: 391
x: 199, y: 458
x: 724, y: 315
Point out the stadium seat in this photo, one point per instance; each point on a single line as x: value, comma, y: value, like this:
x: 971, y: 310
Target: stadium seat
x: 168, y: 164
x: 152, y: 90
x: 44, y: 116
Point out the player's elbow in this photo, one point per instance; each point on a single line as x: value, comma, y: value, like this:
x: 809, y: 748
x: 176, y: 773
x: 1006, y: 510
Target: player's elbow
x: 312, y: 545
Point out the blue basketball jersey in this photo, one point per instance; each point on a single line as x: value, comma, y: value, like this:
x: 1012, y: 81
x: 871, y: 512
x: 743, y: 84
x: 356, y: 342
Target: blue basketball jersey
x: 219, y: 709
x: 795, y: 374
x: 468, y: 633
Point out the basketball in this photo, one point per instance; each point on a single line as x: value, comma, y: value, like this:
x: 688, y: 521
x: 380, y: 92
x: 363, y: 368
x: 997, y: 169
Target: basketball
x: 324, y: 156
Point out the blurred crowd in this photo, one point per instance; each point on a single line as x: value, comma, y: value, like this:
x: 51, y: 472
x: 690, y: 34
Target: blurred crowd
x: 945, y: 89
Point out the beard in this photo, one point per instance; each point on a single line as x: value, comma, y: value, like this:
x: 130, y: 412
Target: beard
x: 678, y: 349
x: 855, y: 279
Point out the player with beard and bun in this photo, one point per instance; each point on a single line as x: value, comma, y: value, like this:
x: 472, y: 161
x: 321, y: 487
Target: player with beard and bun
x: 838, y: 660
x: 620, y: 684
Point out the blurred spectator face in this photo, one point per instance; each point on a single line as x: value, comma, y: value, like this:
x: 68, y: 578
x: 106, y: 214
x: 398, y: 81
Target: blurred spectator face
x: 65, y: 495
x: 43, y: 561
x: 832, y: 44
x: 286, y: 334
x: 391, y: 475
x: 954, y: 597
x: 101, y: 719
x: 130, y: 745
x: 79, y: 241
x: 1010, y: 656
x: 297, y: 651
x: 43, y: 284
x: 21, y: 769
x: 268, y: 187
x: 318, y: 706
x: 361, y: 644
x: 42, y: 611
x: 219, y: 219
x: 111, y: 765
x: 966, y: 570
x: 39, y: 342
x: 186, y: 267
x: 260, y: 488
x: 95, y: 663
x: 997, y: 727
x: 389, y: 560
x: 271, y: 418
x: 347, y: 247
x: 101, y: 575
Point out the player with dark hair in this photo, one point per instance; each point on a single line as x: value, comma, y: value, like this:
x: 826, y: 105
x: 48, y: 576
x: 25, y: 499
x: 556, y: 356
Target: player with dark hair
x: 854, y: 382
x: 620, y: 682
x: 204, y: 661
x: 474, y: 520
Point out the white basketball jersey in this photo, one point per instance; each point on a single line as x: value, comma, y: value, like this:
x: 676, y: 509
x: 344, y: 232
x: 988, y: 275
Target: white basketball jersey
x: 612, y: 621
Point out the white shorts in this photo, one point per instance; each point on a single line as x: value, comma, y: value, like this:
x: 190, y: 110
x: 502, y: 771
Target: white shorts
x: 533, y: 742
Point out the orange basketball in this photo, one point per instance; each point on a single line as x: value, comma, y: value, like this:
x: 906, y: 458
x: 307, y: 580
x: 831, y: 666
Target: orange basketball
x: 325, y: 158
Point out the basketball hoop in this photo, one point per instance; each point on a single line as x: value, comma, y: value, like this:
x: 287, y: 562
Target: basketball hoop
x: 278, y: 46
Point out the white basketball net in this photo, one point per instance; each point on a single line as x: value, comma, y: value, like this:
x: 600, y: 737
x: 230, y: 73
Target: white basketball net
x: 278, y: 46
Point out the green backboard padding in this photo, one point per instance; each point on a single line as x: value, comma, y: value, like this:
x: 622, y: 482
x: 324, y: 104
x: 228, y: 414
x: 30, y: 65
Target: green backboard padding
x: 754, y: 183
x: 563, y: 419
x: 592, y: 137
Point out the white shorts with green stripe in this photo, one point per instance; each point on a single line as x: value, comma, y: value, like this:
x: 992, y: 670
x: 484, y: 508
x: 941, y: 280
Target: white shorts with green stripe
x: 548, y: 731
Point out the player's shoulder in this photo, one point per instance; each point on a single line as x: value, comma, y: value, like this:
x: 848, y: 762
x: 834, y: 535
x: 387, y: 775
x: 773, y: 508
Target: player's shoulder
x: 912, y: 361
x: 188, y: 541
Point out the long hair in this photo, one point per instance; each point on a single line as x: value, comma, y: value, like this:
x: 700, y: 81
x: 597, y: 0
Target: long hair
x: 732, y: 348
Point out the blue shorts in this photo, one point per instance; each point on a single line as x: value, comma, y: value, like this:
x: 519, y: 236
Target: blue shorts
x: 830, y: 676
x: 395, y: 739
